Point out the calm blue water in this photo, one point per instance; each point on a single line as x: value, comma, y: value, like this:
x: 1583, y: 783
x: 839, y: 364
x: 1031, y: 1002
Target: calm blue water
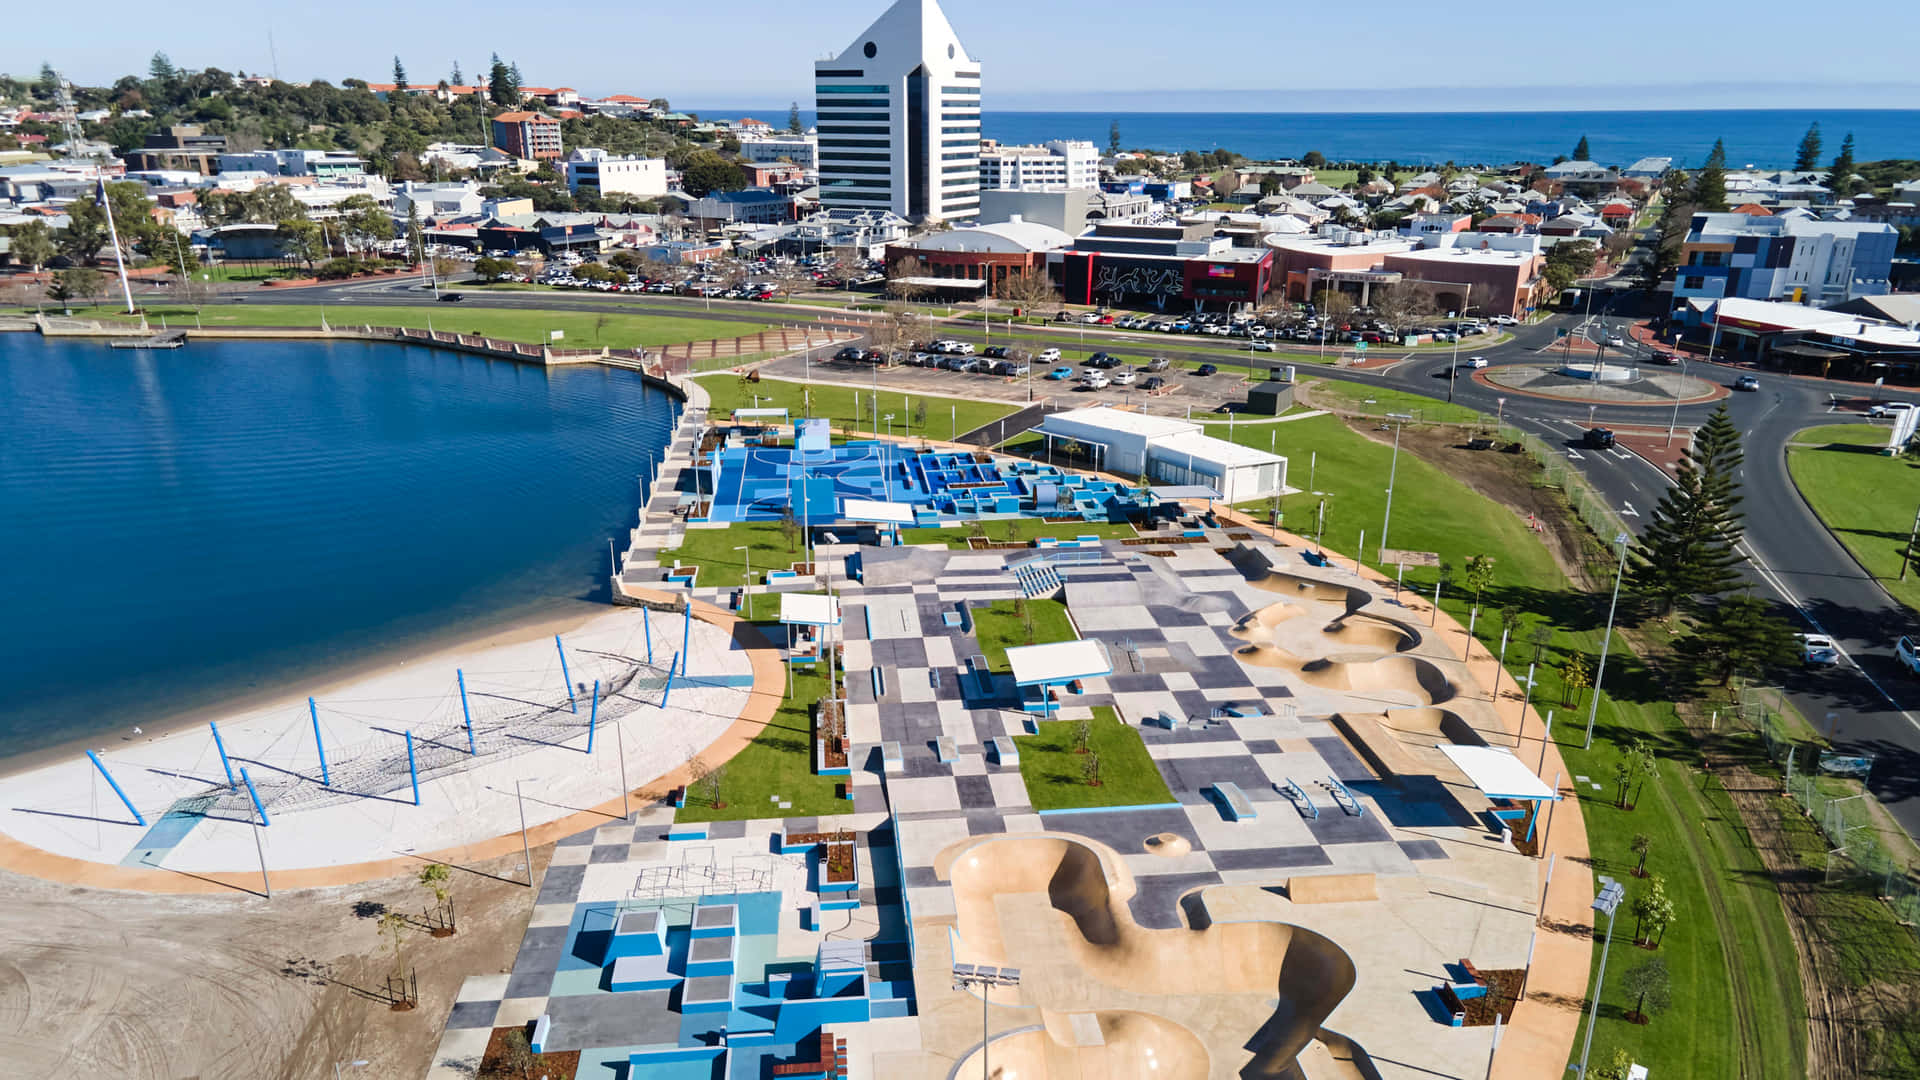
x: 180, y: 527
x: 1763, y: 137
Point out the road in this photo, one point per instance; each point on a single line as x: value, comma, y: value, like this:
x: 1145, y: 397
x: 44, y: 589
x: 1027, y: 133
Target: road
x: 1866, y: 702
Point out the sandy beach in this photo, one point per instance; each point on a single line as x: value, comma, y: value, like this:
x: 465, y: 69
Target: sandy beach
x: 362, y: 809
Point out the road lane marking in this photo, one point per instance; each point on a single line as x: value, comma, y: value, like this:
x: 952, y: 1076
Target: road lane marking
x: 1619, y: 453
x: 1627, y: 510
x: 1574, y: 455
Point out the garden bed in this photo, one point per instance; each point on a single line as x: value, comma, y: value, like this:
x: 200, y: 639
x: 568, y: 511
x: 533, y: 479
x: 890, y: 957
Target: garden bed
x: 497, y: 1064
x: 840, y: 863
x: 830, y: 736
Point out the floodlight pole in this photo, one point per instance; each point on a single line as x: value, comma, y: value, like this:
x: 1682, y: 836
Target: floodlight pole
x: 1400, y: 420
x: 1606, y: 643
x: 1609, y: 902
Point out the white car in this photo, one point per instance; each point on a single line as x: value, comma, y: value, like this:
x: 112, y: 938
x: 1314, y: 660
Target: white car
x: 1048, y: 356
x: 1090, y: 318
x: 1094, y: 380
x: 1615, y: 341
x: 1476, y: 361
x: 1261, y: 346
x: 1883, y: 409
x: 1124, y: 377
x: 1503, y: 320
x: 1818, y: 649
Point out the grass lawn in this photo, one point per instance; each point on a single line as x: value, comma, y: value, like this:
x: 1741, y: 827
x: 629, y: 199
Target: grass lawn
x: 721, y: 566
x: 1380, y: 400
x: 248, y: 272
x: 1053, y: 772
x: 944, y: 416
x: 997, y: 627
x: 779, y: 761
x: 583, y: 329
x: 1016, y: 529
x: 1866, y: 499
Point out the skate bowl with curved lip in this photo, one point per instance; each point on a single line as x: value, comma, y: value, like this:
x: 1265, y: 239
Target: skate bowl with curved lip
x: 1418, y: 678
x: 1128, y: 1046
x: 1055, y: 907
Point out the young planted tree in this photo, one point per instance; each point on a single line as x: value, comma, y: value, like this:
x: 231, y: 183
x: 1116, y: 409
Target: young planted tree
x: 437, y: 878
x: 1687, y: 548
x: 1478, y: 578
x: 1090, y: 769
x: 1651, y: 987
x: 1624, y: 770
x: 790, y: 528
x: 516, y: 1054
x: 1083, y: 735
x: 1575, y: 678
x: 1642, y: 843
x: 1023, y: 611
x: 1652, y: 913
x: 920, y: 415
x: 714, y: 783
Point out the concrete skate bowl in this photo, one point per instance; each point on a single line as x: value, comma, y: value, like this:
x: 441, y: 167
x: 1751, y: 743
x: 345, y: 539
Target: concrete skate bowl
x: 1351, y: 598
x: 1414, y: 677
x: 1129, y: 1046
x: 1359, y: 632
x: 1054, y: 907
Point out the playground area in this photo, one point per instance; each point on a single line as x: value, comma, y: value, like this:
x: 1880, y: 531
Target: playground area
x: 443, y: 752
x: 750, y: 478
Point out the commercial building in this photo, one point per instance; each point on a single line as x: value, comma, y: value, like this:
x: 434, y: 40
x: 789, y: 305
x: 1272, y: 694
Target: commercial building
x: 899, y: 119
x: 181, y: 146
x: 1070, y: 211
x: 1059, y: 165
x: 1791, y: 256
x: 1169, y: 451
x: 431, y: 201
x: 1485, y: 273
x: 1162, y: 267
x: 989, y: 253
x: 802, y: 150
x: 753, y: 206
x: 550, y: 233
x: 321, y: 164
x: 527, y: 135
x: 1859, y: 339
x: 591, y: 171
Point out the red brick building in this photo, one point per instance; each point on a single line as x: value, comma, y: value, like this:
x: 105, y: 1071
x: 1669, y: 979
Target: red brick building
x: 527, y: 135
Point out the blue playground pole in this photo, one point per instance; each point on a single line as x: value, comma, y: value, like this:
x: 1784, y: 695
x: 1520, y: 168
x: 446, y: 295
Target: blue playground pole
x: 232, y: 784
x: 319, y: 747
x: 593, y: 714
x: 646, y: 624
x: 466, y: 712
x: 667, y: 691
x: 255, y: 795
x: 564, y: 677
x: 413, y: 770
x: 115, y: 784
x: 686, y: 636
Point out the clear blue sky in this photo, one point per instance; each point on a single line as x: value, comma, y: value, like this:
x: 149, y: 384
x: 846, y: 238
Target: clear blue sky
x: 1054, y: 54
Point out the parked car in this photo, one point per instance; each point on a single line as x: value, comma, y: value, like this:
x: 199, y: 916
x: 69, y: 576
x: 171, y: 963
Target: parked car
x: 1503, y: 320
x: 1747, y: 383
x: 1094, y: 380
x: 1090, y: 318
x: 1907, y: 651
x: 1261, y: 346
x: 848, y: 354
x: 1154, y: 382
x: 1818, y: 649
x: 1476, y: 362
x: 1615, y: 341
x: 1059, y: 374
x: 1880, y: 410
x: 995, y: 352
x: 1598, y: 438
x: 1103, y: 360
x: 1123, y: 378
x: 1206, y: 369
x: 1159, y: 363
x: 1048, y: 356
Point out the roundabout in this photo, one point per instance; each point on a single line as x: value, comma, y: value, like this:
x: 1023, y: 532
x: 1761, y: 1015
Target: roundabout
x: 1604, y: 384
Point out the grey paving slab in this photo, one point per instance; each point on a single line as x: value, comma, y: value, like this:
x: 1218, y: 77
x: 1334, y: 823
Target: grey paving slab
x: 632, y: 1018
x: 610, y: 853
x: 1156, y: 901
x: 1263, y: 746
x: 1189, y: 777
x: 1336, y: 826
x: 920, y: 877
x: 472, y: 1014
x: 1272, y: 858
x: 1126, y: 831
x: 1419, y: 850
x: 1344, y: 762
x: 983, y: 822
x: 584, y: 838
x: 729, y: 830
x: 976, y: 792
x: 561, y: 885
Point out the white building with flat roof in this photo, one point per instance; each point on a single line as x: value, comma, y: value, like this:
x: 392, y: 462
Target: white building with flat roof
x: 603, y: 174
x: 1060, y: 165
x: 802, y: 150
x: 1169, y: 452
x: 899, y: 119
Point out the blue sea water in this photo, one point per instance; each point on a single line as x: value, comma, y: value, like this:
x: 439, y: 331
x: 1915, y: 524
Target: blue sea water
x: 1760, y: 137
x: 178, y: 528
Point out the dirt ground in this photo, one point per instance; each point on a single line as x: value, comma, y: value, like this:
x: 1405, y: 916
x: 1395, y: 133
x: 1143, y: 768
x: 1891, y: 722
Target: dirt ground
x: 101, y: 983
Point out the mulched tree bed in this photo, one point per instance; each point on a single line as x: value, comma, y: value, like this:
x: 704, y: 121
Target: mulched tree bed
x: 1503, y: 990
x: 839, y: 862
x: 827, y: 730
x: 554, y: 1064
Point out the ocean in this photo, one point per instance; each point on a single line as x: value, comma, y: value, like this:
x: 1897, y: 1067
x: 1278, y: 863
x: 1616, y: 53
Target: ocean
x: 225, y: 519
x: 1759, y: 137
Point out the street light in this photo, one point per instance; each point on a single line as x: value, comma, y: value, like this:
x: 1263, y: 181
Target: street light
x: 1611, y: 893
x: 1399, y: 420
x: 1600, y: 673
x: 526, y: 851
x: 984, y: 978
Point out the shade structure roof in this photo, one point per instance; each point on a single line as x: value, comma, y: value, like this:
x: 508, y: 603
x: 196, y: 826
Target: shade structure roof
x: 809, y: 609
x: 1058, y: 662
x: 1497, y: 772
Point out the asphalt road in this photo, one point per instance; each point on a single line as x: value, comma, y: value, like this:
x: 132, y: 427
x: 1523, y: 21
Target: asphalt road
x: 1866, y: 701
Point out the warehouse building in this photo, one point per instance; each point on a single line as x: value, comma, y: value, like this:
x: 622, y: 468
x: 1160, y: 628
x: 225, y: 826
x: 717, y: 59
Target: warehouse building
x: 1168, y: 451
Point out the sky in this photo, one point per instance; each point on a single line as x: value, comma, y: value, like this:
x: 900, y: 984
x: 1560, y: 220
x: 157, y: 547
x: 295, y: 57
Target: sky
x: 1124, y: 55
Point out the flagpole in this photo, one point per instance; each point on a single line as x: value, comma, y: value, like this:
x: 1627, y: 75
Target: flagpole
x: 113, y: 235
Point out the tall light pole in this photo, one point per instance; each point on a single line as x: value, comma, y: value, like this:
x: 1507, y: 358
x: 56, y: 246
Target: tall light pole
x: 983, y: 979
x: 1600, y: 673
x: 1675, y: 422
x: 1611, y: 893
x: 526, y: 850
x: 1399, y: 422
